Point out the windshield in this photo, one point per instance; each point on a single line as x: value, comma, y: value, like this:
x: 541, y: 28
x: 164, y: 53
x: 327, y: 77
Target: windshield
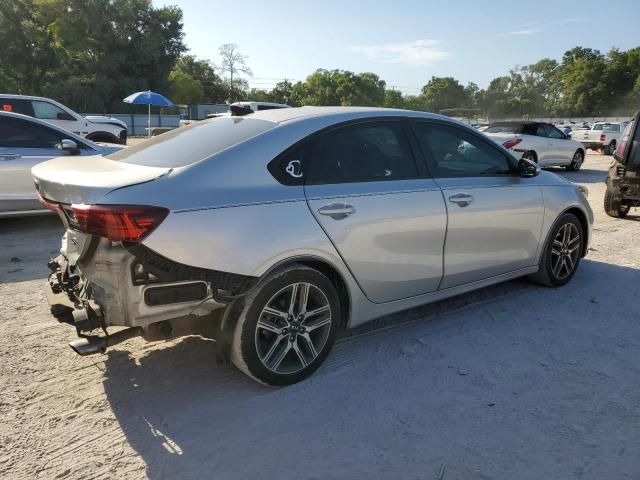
x: 186, y: 145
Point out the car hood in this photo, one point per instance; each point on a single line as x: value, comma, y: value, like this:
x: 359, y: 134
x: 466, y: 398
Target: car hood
x: 86, y: 179
x: 103, y: 119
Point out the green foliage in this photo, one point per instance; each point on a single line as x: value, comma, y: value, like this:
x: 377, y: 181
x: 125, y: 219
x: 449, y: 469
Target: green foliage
x: 214, y: 89
x: 445, y: 92
x: 339, y: 87
x: 89, y: 54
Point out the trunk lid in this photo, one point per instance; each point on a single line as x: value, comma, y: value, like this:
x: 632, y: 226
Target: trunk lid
x: 80, y: 179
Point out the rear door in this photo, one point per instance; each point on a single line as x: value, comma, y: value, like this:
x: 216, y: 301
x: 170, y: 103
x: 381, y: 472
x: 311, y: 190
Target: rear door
x: 494, y: 216
x: 562, y: 150
x: 374, y: 201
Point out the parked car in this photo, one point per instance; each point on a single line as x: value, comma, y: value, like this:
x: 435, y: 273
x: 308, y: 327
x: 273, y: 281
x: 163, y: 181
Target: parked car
x: 285, y: 226
x: 602, y: 136
x: 539, y: 142
x: 94, y: 128
x: 26, y: 141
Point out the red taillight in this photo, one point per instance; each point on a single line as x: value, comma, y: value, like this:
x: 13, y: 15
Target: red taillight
x: 603, y: 137
x: 126, y: 223
x: 509, y: 144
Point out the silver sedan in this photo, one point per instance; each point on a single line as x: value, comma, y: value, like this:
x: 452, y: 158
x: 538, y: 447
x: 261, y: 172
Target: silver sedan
x: 272, y: 232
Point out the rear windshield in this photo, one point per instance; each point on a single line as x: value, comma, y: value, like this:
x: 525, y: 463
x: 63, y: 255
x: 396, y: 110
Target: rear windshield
x: 607, y: 127
x: 504, y: 128
x: 186, y: 145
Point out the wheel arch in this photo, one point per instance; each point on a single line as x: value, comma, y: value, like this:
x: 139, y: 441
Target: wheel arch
x: 102, y: 136
x: 328, y: 270
x: 584, y: 223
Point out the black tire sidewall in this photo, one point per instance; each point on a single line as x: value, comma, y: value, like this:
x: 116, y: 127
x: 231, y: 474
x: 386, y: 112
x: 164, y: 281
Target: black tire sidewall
x: 546, y: 261
x: 248, y: 320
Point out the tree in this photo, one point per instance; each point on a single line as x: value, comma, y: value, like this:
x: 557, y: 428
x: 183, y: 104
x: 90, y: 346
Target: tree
x: 214, y: 89
x: 233, y: 63
x: 88, y: 54
x: 445, y: 92
x: 339, y: 87
x: 184, y: 89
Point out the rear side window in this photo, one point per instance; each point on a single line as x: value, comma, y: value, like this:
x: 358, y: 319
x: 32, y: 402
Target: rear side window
x: 611, y: 128
x: 16, y: 105
x: 364, y: 152
x: 186, y: 145
x: 18, y: 133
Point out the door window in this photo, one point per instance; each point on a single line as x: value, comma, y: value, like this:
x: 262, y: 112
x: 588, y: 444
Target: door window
x: 366, y: 152
x: 452, y: 152
x: 553, y: 132
x: 46, y: 110
x: 18, y: 133
x: 541, y: 131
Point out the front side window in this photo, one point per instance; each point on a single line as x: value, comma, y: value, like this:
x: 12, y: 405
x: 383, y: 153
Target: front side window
x: 553, y: 132
x: 364, y: 152
x: 18, y: 133
x: 452, y: 152
x: 46, y: 110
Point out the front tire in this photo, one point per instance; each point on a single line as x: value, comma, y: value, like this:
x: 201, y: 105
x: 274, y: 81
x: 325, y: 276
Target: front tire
x: 613, y: 205
x: 287, y: 326
x: 562, y: 253
x: 576, y: 161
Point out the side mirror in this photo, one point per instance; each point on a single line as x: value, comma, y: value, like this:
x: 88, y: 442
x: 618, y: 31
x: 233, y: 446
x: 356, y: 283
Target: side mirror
x: 528, y: 168
x: 69, y: 146
x: 64, y: 116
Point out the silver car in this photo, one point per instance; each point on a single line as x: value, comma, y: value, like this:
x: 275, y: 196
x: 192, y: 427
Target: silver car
x: 24, y: 142
x: 272, y: 232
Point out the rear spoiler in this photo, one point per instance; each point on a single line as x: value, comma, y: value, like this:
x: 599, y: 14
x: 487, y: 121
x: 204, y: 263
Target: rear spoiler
x: 239, y: 111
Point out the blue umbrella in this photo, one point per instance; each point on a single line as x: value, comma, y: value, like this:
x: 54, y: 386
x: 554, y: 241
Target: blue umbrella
x: 148, y: 98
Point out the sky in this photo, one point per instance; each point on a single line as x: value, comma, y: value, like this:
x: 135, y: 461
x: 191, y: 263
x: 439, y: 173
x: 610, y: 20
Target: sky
x: 405, y: 42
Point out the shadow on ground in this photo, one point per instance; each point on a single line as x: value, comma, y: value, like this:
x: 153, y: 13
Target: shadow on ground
x: 525, y: 382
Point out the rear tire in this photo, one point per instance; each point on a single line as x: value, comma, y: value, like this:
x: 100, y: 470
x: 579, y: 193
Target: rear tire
x: 611, y: 148
x: 613, y: 205
x: 287, y: 326
x: 576, y: 161
x: 562, y: 252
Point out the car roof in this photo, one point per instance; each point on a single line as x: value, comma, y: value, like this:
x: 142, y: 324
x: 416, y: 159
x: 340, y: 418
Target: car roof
x: 288, y: 114
x: 515, y: 122
x: 23, y: 97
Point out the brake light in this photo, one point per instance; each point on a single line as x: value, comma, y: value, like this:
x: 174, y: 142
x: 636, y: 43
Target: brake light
x: 509, y: 144
x: 125, y: 223
x: 603, y: 137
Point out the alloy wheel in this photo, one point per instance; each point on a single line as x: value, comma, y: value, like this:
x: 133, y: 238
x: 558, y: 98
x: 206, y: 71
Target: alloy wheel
x: 565, y: 251
x: 293, y: 328
x: 576, y: 162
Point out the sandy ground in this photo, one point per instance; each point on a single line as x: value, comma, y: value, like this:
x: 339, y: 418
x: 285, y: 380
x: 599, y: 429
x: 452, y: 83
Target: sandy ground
x: 514, y: 381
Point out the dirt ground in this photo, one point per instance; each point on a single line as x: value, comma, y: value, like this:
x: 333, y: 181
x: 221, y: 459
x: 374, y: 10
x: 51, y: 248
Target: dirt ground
x: 514, y: 381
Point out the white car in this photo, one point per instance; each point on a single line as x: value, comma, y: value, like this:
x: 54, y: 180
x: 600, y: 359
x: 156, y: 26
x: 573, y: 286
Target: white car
x: 540, y: 142
x: 602, y: 136
x: 94, y: 128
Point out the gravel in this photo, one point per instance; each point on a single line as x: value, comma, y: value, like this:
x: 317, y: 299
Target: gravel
x: 512, y: 381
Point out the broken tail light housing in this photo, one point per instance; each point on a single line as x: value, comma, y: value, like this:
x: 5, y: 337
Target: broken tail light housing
x: 509, y: 144
x: 118, y: 223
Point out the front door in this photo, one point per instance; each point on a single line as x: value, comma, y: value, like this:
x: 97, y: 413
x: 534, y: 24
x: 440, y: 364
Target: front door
x: 494, y: 216
x: 371, y: 197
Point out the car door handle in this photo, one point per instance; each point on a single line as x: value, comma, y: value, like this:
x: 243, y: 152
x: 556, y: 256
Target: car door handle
x: 337, y: 210
x: 461, y: 199
x: 9, y: 156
